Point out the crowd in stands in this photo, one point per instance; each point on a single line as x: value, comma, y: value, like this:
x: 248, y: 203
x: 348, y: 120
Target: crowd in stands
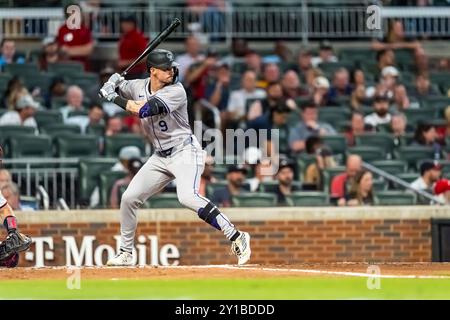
x: 313, y: 96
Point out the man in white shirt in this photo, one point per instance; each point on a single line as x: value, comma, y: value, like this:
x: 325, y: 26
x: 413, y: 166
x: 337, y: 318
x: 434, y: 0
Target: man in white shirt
x: 430, y: 172
x: 238, y: 98
x: 381, y: 114
x: 23, y: 115
x: 74, y: 98
x: 94, y: 117
x: 192, y: 55
x: 325, y: 54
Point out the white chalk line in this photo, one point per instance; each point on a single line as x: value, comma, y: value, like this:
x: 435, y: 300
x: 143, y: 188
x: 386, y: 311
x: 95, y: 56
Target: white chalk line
x: 249, y: 267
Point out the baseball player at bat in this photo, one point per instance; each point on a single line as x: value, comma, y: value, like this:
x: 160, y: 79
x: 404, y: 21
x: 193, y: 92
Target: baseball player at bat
x: 15, y: 241
x: 161, y: 104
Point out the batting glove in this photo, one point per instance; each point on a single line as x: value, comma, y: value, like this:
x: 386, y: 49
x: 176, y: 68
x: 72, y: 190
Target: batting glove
x: 108, y: 91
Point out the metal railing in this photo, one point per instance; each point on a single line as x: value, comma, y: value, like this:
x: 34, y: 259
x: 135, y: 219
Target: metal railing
x: 301, y: 21
x: 58, y: 177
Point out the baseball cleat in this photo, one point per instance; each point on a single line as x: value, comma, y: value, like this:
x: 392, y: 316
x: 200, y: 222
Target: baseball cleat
x: 15, y: 242
x: 241, y: 248
x: 121, y: 259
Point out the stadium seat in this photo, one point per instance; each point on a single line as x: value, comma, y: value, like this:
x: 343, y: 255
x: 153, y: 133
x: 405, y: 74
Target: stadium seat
x: 357, y: 54
x: 113, y: 144
x: 436, y: 103
x: 8, y: 131
x: 48, y: 117
x: 254, y: 200
x: 212, y: 187
x: 407, y: 177
x: 76, y: 113
x: 66, y: 68
x: 337, y: 143
x: 76, y: 145
x: 164, y: 200
x: 39, y: 80
x: 413, y: 154
x: 415, y: 116
x: 84, y: 80
x: 97, y: 129
x: 4, y: 79
x: 27, y: 145
x: 220, y: 172
x: 89, y: 172
x: 368, y: 153
x: 58, y: 102
x: 376, y: 139
x: 395, y: 198
x: 55, y: 130
x: 333, y: 115
x: 23, y: 70
x: 393, y: 167
x: 107, y: 180
x: 380, y: 185
x: 308, y: 199
x: 303, y: 161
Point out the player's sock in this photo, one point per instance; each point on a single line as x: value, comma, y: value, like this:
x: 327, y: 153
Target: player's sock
x: 212, y: 215
x: 10, y: 224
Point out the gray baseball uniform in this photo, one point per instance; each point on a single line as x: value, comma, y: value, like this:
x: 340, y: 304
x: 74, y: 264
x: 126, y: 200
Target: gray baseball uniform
x: 178, y: 156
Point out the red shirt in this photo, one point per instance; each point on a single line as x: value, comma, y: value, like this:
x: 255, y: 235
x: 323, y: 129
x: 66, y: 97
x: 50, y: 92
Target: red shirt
x: 131, y: 46
x: 75, y: 37
x: 338, y: 185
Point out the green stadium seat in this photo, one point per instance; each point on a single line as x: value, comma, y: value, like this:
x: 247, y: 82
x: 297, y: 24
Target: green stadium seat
x: 436, y: 103
x: 65, y: 68
x: 4, y: 79
x: 97, y: 130
x: 76, y: 113
x: 8, y: 131
x: 308, y: 199
x: 48, y: 117
x: 333, y: 115
x: 76, y: 145
x: 413, y: 154
x: 303, y: 161
x: 254, y: 200
x: 23, y: 70
x: 84, y: 80
x: 415, y: 116
x: 220, y: 172
x: 368, y: 153
x: 393, y: 167
x: 331, y: 67
x: 380, y: 185
x: 55, y: 130
x: 337, y: 143
x: 39, y: 80
x: 164, y: 200
x: 408, y: 177
x: 89, y: 172
x: 395, y: 198
x: 27, y: 145
x: 357, y: 54
x: 58, y: 102
x: 376, y: 139
x: 107, y: 180
x: 113, y: 144
x: 212, y: 187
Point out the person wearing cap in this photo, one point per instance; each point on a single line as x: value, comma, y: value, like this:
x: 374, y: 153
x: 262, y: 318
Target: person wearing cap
x: 131, y: 44
x: 442, y: 190
x: 326, y: 54
x: 430, y: 172
x: 50, y: 53
x: 381, y: 113
x: 133, y: 166
x: 8, y: 53
x: 192, y: 55
x: 320, y: 94
x: 23, y: 114
x: 286, y: 186
x: 308, y: 126
x: 235, y: 178
x: 314, y: 172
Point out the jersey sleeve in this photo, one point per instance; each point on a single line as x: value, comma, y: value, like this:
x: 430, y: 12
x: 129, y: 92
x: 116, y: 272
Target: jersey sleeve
x: 173, y: 97
x: 128, y: 88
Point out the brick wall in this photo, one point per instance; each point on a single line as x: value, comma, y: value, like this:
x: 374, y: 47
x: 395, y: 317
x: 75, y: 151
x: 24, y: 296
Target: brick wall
x: 273, y: 241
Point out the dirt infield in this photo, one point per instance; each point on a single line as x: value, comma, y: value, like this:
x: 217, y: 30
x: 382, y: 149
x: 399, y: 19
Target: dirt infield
x: 388, y: 270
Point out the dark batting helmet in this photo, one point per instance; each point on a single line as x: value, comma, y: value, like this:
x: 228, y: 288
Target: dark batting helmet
x: 161, y: 59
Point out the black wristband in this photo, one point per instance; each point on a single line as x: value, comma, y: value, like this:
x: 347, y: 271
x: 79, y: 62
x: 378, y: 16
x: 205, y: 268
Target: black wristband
x: 121, y: 102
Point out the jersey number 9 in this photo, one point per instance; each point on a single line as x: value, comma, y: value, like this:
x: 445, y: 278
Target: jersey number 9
x: 163, y: 125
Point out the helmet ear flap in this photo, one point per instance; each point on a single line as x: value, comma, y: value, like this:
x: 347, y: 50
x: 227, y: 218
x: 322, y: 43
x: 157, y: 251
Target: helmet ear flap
x: 175, y: 74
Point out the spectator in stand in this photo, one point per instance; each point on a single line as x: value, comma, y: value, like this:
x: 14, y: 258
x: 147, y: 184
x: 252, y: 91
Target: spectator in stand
x: 358, y: 98
x: 401, y: 101
x: 253, y: 62
x: 444, y: 131
x: 197, y: 76
x: 340, y: 185
x: 341, y: 85
x: 8, y: 53
x: 398, y: 127
x: 50, y: 53
x: 274, y: 97
x: 388, y: 81
x: 285, y: 177
x: 304, y: 63
x: 422, y: 88
x: 114, y: 125
x: 207, y: 176
x: 131, y: 44
x: 426, y: 135
x: 11, y: 193
x: 5, y: 177
x: 94, y: 117
x: 23, y: 115
x: 125, y: 155
x: 57, y: 90
x: 218, y: 91
x: 271, y: 73
x: 74, y: 99
x: 308, y: 126
x: 320, y: 92
x: 442, y: 190
x: 14, y: 90
x: 235, y: 177
x: 292, y: 87
x: 310, y: 78
x: 361, y: 191
x: 326, y: 54
x: 357, y: 127
x: 430, y: 172
x: 133, y: 167
x: 314, y: 172
x: 239, y: 48
x: 238, y: 98
x: 385, y: 58
x: 381, y: 113
x: 75, y: 43
x: 358, y: 78
x: 282, y: 51
x: 193, y: 55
